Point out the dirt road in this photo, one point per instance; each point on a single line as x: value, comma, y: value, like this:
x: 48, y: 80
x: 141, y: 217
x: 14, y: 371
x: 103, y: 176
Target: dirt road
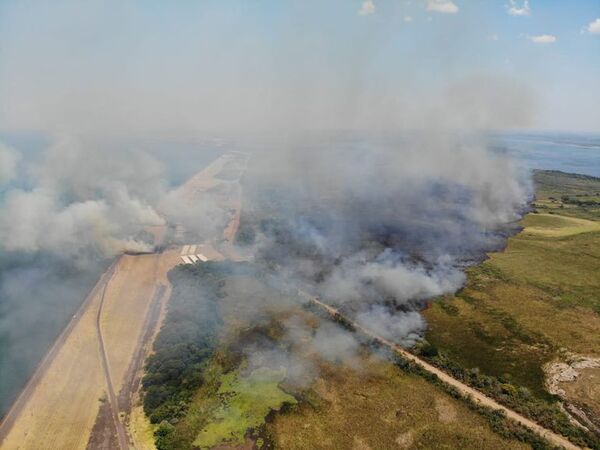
x: 73, y: 400
x: 464, y: 389
x: 112, y: 398
x: 99, y: 354
x: 17, y: 407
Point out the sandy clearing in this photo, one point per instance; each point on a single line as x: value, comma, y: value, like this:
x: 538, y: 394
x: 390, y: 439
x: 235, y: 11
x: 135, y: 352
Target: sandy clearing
x: 126, y: 304
x: 61, y: 409
x: 67, y: 396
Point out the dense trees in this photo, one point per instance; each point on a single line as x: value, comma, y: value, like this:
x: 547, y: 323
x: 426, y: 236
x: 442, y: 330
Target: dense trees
x: 186, y: 340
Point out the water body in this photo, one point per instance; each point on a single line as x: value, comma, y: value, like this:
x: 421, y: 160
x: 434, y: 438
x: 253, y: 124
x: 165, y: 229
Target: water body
x: 568, y: 152
x: 38, y: 297
x: 39, y: 293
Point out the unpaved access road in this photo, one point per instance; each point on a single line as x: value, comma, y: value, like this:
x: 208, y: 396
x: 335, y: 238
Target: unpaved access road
x: 94, y: 366
x: 464, y: 389
x: 60, y: 406
x: 13, y: 413
x: 112, y: 398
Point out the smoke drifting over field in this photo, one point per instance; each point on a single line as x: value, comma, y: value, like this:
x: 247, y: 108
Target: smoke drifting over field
x: 376, y: 219
x: 378, y: 226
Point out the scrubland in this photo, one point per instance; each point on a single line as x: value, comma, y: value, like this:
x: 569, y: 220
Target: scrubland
x: 219, y: 396
x: 535, y: 302
x: 530, y: 304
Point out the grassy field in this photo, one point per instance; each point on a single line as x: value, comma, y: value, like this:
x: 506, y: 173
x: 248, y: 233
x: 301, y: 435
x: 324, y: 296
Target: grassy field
x: 247, y: 400
x: 379, y: 407
x: 535, y: 301
x: 567, y: 194
x: 523, y: 307
x: 364, y: 403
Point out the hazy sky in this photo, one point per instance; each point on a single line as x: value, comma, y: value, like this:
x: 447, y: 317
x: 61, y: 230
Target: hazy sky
x: 186, y: 66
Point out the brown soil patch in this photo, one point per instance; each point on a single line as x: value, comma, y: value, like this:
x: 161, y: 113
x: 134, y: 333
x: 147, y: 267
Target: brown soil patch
x: 577, y: 382
x: 405, y: 440
x: 446, y: 412
x: 104, y: 434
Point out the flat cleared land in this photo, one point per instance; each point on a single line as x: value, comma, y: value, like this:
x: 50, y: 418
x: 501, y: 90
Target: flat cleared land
x: 126, y: 304
x: 63, y: 406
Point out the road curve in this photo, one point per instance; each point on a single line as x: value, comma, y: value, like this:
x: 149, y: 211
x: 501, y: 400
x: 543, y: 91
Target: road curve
x: 15, y: 410
x: 464, y: 389
x: 112, y: 398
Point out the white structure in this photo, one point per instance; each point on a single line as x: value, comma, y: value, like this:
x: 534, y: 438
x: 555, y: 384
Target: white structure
x: 189, y: 255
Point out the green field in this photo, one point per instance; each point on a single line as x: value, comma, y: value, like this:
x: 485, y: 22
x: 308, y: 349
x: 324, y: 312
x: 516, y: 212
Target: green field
x: 534, y: 300
x: 245, y: 402
x: 365, y: 403
x: 378, y: 406
x: 533, y: 303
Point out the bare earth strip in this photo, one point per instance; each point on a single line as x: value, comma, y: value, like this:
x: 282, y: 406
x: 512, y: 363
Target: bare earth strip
x: 63, y: 394
x: 112, y: 398
x: 443, y: 376
x: 58, y: 408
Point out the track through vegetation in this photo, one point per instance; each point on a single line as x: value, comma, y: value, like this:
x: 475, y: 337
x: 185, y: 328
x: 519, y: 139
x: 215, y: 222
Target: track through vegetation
x: 112, y: 398
x: 444, y: 377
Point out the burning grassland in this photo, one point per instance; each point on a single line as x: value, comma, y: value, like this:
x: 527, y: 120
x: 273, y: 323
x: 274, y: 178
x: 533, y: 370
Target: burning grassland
x: 530, y: 305
x: 279, y: 376
x: 378, y: 232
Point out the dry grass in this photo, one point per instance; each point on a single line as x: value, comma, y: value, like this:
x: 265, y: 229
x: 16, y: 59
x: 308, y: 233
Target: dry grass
x: 533, y: 301
x: 380, y: 407
x: 126, y: 304
x: 553, y: 225
x: 62, y: 410
x: 141, y: 429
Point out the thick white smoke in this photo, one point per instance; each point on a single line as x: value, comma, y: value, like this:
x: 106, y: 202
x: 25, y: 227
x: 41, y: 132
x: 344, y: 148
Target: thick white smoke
x: 378, y: 225
x: 376, y: 219
x: 82, y: 202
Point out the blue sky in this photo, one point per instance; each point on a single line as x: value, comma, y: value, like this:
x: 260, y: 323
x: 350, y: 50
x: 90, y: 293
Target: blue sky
x: 192, y: 65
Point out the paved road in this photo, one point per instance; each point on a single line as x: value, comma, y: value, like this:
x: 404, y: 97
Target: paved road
x: 477, y: 396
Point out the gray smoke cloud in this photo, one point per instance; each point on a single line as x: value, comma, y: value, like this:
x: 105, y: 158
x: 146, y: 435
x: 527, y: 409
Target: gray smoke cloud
x: 9, y: 159
x: 82, y: 203
x: 378, y: 225
x: 376, y: 219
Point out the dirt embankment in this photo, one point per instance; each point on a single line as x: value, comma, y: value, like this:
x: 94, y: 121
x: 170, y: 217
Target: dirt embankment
x: 576, y: 380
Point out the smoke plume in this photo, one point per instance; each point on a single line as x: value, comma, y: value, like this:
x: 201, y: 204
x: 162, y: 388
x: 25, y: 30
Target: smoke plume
x: 370, y: 182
